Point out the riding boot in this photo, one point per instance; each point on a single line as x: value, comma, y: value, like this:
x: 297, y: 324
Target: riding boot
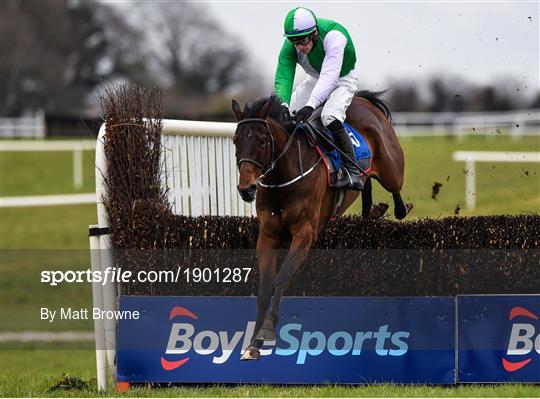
x: 351, y: 173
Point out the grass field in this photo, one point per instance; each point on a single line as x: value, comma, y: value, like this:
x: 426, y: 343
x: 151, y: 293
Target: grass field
x: 34, y: 239
x: 19, y: 379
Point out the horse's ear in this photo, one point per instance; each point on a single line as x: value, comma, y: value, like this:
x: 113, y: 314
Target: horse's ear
x: 263, y: 113
x: 237, y: 111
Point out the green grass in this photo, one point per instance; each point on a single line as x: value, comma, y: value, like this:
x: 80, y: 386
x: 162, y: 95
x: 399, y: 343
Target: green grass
x: 50, y: 227
x: 501, y: 188
x: 31, y: 372
x: 23, y: 295
x: 43, y: 238
x: 42, y: 173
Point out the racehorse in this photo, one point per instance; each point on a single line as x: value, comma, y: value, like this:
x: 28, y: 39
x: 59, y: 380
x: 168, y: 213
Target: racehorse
x: 294, y: 201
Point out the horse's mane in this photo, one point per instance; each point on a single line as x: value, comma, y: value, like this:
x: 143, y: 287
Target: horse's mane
x: 373, y: 98
x: 253, y: 107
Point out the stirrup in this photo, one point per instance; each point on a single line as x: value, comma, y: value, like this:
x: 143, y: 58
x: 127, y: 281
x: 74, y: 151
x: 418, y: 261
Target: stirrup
x: 357, y: 185
x: 346, y: 182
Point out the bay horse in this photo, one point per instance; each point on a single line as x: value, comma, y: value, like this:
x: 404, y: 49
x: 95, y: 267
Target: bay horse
x: 295, y: 205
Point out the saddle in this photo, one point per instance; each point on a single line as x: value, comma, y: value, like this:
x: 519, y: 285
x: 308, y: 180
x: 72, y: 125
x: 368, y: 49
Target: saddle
x: 322, y: 140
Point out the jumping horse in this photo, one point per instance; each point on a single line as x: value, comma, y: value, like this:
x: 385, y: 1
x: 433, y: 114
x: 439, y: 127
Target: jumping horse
x: 294, y: 201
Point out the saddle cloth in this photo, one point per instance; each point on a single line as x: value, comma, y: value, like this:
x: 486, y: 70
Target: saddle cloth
x: 361, y: 148
x: 332, y: 158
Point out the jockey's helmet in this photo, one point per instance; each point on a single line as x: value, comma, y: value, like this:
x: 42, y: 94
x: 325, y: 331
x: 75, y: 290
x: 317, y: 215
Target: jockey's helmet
x: 299, y: 22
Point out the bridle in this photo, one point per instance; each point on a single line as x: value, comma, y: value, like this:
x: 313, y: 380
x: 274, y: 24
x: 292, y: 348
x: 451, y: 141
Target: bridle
x: 270, y: 145
x: 271, y: 161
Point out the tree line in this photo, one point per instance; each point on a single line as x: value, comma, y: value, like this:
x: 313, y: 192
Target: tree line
x: 56, y: 55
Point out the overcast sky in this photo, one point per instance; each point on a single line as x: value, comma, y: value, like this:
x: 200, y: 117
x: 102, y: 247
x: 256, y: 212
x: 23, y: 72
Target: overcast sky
x: 484, y: 42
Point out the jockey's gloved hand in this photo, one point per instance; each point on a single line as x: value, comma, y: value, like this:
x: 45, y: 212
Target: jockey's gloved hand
x: 304, y: 114
x: 284, y: 112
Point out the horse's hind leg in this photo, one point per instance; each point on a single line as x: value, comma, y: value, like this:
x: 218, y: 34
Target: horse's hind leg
x: 368, y: 209
x: 367, y: 198
x: 400, y: 208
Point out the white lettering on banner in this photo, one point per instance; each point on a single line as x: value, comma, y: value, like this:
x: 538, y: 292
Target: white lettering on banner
x: 520, y: 340
x: 227, y: 347
x: 175, y: 337
x: 304, y: 344
x: 199, y: 339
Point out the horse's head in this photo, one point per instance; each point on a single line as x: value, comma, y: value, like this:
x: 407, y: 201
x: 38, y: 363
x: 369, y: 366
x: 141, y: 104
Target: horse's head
x: 254, y: 148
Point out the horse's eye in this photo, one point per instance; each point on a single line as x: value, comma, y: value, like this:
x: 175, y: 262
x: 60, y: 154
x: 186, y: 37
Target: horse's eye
x: 262, y: 143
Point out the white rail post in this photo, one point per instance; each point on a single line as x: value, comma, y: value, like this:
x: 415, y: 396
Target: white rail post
x: 109, y: 291
x: 470, y: 183
x: 77, y: 169
x: 97, y: 302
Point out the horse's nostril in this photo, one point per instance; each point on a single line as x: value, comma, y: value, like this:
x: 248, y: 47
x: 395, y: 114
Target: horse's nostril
x: 247, y: 190
x: 248, y: 193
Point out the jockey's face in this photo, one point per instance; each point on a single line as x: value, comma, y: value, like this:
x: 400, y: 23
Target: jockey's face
x: 305, y: 48
x: 304, y: 44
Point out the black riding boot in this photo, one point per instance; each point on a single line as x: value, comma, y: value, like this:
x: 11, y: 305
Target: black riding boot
x: 351, y: 173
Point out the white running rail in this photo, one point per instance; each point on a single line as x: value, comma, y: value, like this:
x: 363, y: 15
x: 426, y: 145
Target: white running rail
x: 76, y: 146
x: 471, y: 157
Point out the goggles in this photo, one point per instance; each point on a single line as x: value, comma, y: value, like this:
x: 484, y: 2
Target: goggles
x: 301, y: 40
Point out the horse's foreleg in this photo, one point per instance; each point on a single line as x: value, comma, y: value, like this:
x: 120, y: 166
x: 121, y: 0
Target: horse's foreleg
x: 267, y: 254
x: 302, y: 239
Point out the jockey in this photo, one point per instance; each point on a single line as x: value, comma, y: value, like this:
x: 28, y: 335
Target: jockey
x: 325, y: 51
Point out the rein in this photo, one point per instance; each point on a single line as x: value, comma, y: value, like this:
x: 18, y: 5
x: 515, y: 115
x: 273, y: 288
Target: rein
x: 270, y: 165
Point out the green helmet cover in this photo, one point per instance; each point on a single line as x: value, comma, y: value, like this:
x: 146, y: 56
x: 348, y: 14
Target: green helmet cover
x: 299, y: 22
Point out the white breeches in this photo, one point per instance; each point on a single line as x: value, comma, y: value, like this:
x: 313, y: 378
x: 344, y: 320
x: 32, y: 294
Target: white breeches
x: 337, y: 103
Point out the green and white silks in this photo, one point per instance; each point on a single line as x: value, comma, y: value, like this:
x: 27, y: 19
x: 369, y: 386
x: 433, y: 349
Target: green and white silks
x: 330, y: 65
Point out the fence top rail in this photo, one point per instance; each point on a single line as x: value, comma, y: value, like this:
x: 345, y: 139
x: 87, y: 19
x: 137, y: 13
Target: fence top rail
x: 496, y: 156
x: 198, y: 128
x: 525, y: 113
x: 46, y: 145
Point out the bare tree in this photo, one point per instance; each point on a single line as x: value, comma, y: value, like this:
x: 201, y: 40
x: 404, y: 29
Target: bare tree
x: 34, y: 50
x: 55, y: 52
x: 189, y: 50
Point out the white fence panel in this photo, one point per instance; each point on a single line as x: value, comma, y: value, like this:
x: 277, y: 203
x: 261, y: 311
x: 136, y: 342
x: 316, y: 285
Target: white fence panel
x: 199, y: 168
x: 471, y: 157
x: 23, y: 127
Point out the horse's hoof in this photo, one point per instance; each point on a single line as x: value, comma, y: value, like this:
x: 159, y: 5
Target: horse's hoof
x: 251, y: 353
x: 408, y: 207
x: 266, y: 334
x: 378, y: 210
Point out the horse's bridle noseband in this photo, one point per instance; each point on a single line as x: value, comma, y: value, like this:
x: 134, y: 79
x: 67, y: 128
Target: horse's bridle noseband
x: 268, y: 164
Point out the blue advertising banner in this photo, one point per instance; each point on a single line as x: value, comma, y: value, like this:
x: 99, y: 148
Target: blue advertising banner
x: 499, y: 338
x: 320, y: 340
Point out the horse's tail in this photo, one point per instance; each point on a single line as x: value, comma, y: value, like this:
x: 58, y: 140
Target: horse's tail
x: 373, y: 98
